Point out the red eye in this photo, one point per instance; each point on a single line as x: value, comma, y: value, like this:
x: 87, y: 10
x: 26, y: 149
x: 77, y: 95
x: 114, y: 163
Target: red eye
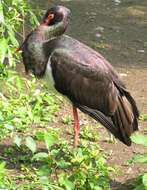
x: 50, y: 16
x: 48, y: 19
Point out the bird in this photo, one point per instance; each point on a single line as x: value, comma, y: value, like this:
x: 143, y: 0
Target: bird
x: 81, y: 74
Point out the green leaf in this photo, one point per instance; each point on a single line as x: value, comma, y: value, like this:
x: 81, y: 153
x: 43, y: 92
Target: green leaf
x: 140, y: 158
x: 50, y: 139
x: 63, y: 164
x: 30, y: 114
x: 39, y: 135
x: 10, y: 57
x: 1, y: 13
x: 44, y: 180
x: 3, y: 50
x: 139, y: 139
x: 34, y: 19
x: 54, y: 187
x: 140, y: 187
x: 144, y: 179
x: 12, y: 36
x: 17, y: 140
x: 45, y: 170
x: 2, y: 166
x: 30, y: 143
x: 143, y: 117
x: 40, y: 156
x: 67, y: 120
x: 63, y: 180
x: 9, y: 127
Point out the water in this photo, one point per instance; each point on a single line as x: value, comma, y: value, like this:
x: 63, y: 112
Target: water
x: 115, y: 28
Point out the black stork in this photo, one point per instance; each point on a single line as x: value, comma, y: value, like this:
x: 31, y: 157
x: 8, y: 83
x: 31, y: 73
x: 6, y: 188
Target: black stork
x: 81, y: 74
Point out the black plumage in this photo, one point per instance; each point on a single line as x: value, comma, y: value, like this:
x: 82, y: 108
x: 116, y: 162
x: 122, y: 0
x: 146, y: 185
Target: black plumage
x: 81, y: 74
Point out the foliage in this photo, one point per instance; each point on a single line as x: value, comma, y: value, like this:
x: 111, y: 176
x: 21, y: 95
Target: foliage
x: 143, y: 117
x: 62, y: 168
x: 24, y: 103
x: 4, y: 179
x: 26, y: 108
x: 141, y: 183
x: 83, y: 168
x: 12, y: 14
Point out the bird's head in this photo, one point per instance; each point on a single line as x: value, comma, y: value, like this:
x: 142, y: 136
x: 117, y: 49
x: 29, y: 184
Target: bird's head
x: 54, y: 22
x: 36, y: 47
x: 56, y: 15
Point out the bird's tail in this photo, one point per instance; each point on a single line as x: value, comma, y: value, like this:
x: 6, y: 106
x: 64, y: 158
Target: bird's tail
x: 125, y: 118
x: 123, y: 122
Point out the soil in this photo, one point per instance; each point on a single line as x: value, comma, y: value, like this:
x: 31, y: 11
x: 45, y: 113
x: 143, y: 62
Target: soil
x: 134, y: 79
x: 117, y: 153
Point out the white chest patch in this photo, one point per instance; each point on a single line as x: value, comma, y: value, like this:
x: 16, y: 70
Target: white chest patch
x: 49, y: 78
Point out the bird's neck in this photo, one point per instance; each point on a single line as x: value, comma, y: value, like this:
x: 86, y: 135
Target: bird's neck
x: 52, y: 32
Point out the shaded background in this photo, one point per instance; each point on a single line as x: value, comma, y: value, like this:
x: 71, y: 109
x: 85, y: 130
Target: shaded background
x: 115, y: 28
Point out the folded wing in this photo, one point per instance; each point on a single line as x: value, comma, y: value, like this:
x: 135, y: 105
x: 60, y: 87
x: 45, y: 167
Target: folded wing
x: 95, y: 88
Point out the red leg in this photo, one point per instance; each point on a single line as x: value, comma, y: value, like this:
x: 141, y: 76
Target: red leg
x: 76, y: 126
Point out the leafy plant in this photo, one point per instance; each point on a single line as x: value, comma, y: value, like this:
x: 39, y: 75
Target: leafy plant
x: 59, y: 166
x: 83, y: 168
x: 12, y: 19
x: 140, y: 139
x: 143, y: 117
x: 19, y: 110
x: 4, y: 179
x: 89, y: 133
x: 67, y: 120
